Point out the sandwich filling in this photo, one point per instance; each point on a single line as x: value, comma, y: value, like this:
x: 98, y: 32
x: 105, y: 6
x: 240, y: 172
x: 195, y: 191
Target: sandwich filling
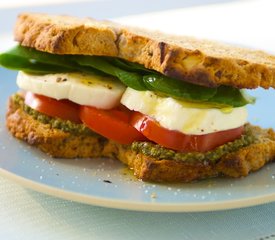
x: 128, y: 103
x: 250, y: 136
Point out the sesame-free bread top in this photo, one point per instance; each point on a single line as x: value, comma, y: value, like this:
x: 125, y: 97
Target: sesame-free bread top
x: 198, y: 61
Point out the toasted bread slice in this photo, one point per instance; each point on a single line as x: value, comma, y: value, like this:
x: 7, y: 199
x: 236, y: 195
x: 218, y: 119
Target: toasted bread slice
x: 197, y: 61
x: 58, y: 143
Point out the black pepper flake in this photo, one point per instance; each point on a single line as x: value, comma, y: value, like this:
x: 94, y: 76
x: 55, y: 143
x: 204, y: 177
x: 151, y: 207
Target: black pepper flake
x: 107, y: 181
x: 59, y: 79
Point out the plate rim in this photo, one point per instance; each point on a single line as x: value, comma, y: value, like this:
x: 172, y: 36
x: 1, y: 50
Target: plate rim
x: 134, y: 205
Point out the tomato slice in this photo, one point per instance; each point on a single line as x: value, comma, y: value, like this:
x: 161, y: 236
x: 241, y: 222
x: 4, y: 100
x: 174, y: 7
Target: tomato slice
x: 112, y: 124
x: 181, y: 142
x: 63, y: 109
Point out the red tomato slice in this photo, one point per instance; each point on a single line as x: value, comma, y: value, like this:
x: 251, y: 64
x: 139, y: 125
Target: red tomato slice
x: 178, y: 141
x: 112, y: 124
x: 63, y: 109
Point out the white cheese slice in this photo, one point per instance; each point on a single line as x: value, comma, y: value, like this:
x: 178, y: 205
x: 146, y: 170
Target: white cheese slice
x: 84, y: 89
x: 188, y: 118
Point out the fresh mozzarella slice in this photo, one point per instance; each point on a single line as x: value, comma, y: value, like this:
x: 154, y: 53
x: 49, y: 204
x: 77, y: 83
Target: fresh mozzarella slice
x: 188, y: 118
x: 84, y: 89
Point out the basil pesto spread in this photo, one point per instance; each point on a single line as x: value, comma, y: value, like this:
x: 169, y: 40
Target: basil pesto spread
x: 159, y: 152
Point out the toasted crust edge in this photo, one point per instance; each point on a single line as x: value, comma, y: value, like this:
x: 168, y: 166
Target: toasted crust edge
x: 65, y: 145
x: 197, y: 61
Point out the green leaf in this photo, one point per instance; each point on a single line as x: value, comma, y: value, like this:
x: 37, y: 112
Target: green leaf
x: 33, y: 61
x: 43, y: 57
x: 130, y: 79
x: 130, y: 66
x: 231, y: 96
x: 19, y: 63
x: 221, y: 96
x: 178, y: 89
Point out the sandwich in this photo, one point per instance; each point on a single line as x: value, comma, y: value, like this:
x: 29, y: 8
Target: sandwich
x: 171, y: 108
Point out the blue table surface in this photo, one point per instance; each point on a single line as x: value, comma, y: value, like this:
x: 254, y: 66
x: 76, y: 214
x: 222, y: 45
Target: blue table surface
x: 26, y: 214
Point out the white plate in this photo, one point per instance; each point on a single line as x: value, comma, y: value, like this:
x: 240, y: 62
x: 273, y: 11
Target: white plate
x: 106, y: 182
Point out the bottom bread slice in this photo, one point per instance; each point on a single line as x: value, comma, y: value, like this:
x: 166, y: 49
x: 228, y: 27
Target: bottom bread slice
x: 59, y: 143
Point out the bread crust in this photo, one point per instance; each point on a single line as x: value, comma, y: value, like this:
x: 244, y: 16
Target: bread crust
x: 57, y: 143
x: 197, y: 61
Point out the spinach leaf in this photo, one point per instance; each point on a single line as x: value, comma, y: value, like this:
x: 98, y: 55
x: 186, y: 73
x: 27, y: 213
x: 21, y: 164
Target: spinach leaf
x: 231, y: 96
x: 130, y: 66
x: 43, y: 57
x: 31, y: 66
x: 130, y: 79
x: 33, y: 61
x: 178, y: 89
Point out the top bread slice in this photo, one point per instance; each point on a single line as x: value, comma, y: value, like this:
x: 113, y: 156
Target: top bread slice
x: 201, y: 62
